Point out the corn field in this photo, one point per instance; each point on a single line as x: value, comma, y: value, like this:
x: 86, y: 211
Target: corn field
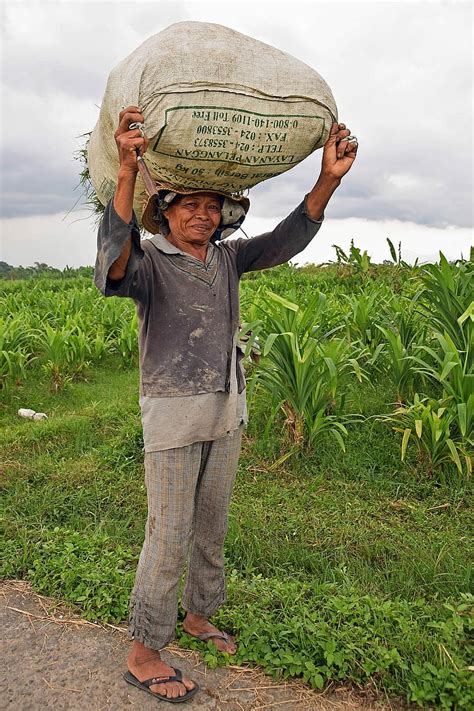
x: 310, y: 336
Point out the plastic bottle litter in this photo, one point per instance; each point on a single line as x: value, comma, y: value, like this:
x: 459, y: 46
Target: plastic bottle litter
x: 25, y: 412
x: 31, y: 414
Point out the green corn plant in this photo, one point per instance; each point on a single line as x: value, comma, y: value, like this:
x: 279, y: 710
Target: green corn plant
x: 301, y: 376
x: 12, y: 367
x: 342, y: 365
x: 53, y: 344
x: 14, y: 333
x: 447, y: 361
x: 15, y: 351
x: 126, y: 340
x: 366, y: 310
x: 398, y: 361
x: 446, y: 365
x: 446, y: 300
x: 432, y: 426
x: 79, y: 352
x: 402, y: 343
x: 404, y: 317
x: 396, y: 256
x: 99, y: 344
x: 113, y: 314
x: 63, y: 353
x: 452, y: 371
x: 359, y: 261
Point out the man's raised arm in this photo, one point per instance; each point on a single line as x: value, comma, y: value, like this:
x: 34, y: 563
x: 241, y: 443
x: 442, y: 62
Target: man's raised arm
x: 338, y: 156
x: 295, y: 232
x: 128, y: 142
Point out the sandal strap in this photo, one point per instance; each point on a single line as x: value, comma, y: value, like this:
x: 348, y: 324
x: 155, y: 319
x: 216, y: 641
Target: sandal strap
x: 178, y: 676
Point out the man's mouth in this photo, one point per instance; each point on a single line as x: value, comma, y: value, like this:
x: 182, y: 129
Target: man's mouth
x: 201, y: 228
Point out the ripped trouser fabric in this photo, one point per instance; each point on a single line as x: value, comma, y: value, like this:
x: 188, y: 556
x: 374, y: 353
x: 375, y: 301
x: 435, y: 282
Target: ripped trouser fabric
x: 188, y: 490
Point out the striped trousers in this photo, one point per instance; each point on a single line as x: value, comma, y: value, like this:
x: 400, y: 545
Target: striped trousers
x: 188, y: 492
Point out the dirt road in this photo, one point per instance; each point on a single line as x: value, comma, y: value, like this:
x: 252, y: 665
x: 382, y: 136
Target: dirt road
x: 54, y: 660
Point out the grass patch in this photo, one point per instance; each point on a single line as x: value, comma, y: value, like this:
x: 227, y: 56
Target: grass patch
x: 342, y: 566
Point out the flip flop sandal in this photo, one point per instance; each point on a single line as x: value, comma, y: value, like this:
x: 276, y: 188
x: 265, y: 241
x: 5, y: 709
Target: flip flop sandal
x: 145, y: 685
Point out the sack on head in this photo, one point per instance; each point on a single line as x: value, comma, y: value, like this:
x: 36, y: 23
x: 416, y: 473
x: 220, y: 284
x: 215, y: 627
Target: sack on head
x: 222, y: 111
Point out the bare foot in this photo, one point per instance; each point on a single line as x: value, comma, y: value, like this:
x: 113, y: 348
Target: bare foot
x: 146, y: 663
x: 196, y: 625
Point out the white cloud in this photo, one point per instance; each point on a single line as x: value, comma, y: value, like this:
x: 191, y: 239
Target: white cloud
x: 417, y: 241
x: 57, y: 240
x: 60, y: 240
x: 400, y: 71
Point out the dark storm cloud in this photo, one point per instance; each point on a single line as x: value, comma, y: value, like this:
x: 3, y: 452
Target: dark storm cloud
x: 74, y: 52
x: 428, y: 186
x: 32, y: 185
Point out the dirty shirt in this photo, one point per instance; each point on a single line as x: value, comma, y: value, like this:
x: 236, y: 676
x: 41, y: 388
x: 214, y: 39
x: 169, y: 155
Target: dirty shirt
x: 192, y: 384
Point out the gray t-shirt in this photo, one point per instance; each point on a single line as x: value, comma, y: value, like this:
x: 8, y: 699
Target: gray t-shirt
x: 188, y: 312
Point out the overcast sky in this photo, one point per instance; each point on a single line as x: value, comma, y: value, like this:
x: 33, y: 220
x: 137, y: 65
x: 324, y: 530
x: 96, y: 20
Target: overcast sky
x: 401, y: 74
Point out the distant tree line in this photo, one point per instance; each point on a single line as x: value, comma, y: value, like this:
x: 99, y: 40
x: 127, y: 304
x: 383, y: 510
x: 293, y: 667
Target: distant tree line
x: 7, y: 271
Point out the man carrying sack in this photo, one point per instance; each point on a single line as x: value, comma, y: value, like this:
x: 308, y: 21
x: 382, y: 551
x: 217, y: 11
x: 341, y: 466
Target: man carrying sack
x: 192, y: 389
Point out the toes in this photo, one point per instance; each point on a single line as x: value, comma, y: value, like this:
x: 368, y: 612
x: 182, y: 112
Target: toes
x: 184, y: 687
x: 223, y: 646
x: 178, y: 690
x: 160, y: 689
x: 173, y: 689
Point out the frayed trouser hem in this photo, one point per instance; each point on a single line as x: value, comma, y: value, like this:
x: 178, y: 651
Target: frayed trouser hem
x: 204, y: 610
x: 144, y: 626
x: 148, y: 640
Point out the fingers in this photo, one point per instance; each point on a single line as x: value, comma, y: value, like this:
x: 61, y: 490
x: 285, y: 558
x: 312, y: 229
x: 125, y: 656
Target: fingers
x: 128, y: 115
x: 144, y: 146
x: 134, y: 143
x: 337, y: 133
x: 339, y: 152
x: 346, y: 144
x: 131, y: 137
x: 129, y: 142
x: 352, y: 150
x: 342, y: 134
x: 331, y: 141
x: 132, y: 110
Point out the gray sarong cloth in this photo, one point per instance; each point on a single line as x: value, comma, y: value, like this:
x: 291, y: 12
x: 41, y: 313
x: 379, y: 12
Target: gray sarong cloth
x: 188, y: 490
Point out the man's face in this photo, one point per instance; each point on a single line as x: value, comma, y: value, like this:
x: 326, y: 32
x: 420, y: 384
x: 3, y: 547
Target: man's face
x: 194, y: 218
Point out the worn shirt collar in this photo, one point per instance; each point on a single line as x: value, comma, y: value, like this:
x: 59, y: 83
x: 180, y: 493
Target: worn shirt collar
x: 165, y: 246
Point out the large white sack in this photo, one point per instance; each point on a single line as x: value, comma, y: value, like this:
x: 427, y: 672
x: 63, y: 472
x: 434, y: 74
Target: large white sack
x: 222, y: 111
